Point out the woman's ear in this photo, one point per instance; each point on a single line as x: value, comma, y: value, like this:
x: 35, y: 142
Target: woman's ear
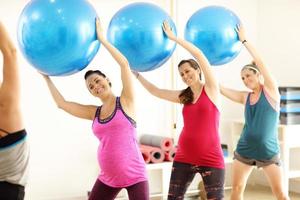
x: 108, y: 81
x: 260, y: 78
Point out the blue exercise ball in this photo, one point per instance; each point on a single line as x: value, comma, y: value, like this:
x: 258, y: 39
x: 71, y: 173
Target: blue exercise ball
x: 58, y: 37
x: 136, y: 30
x: 212, y: 29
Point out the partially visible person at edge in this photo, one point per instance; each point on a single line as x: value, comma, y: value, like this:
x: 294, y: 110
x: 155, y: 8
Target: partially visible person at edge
x: 199, y: 149
x: 14, y: 148
x: 119, y: 157
x: 258, y: 145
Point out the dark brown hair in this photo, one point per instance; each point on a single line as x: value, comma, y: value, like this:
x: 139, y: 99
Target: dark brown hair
x: 187, y: 96
x: 90, y: 72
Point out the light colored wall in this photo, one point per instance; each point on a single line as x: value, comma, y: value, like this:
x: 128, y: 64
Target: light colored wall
x: 63, y: 148
x: 279, y: 38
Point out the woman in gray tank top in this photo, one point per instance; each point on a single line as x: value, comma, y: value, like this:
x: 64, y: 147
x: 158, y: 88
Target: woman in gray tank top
x: 14, y: 152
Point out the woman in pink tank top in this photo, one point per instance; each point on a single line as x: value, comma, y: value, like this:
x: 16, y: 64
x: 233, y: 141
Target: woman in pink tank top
x: 120, y: 160
x: 199, y: 149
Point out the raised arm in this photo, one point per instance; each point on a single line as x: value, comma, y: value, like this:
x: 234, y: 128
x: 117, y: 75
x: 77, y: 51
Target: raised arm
x: 211, y: 84
x: 10, y: 87
x: 234, y: 95
x: 127, y: 95
x: 169, y: 95
x: 269, y: 82
x: 75, y: 109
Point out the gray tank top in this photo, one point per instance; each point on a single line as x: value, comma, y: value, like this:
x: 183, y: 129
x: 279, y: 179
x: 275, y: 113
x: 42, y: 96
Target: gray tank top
x: 14, y: 158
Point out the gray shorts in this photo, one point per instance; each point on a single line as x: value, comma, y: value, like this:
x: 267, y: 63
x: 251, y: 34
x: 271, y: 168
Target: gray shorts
x: 259, y: 163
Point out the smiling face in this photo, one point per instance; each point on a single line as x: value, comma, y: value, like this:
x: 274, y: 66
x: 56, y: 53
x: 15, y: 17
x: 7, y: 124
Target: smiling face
x: 250, y: 78
x: 98, y: 85
x: 189, y: 74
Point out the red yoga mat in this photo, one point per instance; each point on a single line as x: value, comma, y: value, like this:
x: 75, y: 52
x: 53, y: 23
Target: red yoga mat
x: 165, y: 143
x: 146, y: 155
x: 169, y: 155
x: 156, y: 154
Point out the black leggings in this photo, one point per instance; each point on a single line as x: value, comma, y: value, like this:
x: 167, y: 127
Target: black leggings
x: 9, y: 191
x: 138, y: 191
x: 183, y: 174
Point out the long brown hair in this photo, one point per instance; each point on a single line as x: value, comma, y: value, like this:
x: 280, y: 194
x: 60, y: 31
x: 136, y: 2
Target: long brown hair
x: 187, y: 96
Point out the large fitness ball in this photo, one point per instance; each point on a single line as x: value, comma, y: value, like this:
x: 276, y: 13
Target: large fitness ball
x: 58, y: 37
x: 136, y: 30
x: 212, y: 29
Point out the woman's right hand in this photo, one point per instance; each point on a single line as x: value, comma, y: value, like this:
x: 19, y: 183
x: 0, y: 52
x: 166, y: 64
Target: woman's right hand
x: 99, y: 30
x: 168, y: 30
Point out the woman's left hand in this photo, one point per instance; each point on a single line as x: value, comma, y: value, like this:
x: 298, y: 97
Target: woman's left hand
x: 168, y: 30
x: 241, y: 32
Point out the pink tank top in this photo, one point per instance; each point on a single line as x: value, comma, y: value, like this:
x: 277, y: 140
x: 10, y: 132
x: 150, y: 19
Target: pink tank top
x: 119, y: 156
x: 199, y: 141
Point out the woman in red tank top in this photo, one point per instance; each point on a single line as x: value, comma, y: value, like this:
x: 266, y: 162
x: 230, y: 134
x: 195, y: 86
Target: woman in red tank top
x: 199, y: 149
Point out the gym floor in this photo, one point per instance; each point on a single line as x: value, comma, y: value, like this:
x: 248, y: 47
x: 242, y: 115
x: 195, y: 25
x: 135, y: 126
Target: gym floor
x: 251, y: 193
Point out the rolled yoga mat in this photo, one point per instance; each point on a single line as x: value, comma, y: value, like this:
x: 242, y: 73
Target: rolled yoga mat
x: 164, y: 143
x: 169, y: 155
x: 156, y: 154
x: 146, y: 155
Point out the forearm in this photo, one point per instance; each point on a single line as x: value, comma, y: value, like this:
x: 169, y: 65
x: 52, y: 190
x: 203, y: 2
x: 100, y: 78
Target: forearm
x: 233, y: 95
x: 6, y: 44
x: 264, y: 70
x: 169, y: 95
x: 115, y: 53
x: 11, y: 83
x: 195, y: 51
x: 151, y: 88
x: 57, y: 97
x: 254, y: 54
x: 202, y: 60
x: 126, y: 75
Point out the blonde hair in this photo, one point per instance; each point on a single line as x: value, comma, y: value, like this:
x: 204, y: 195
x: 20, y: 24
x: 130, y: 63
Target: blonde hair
x: 252, y: 66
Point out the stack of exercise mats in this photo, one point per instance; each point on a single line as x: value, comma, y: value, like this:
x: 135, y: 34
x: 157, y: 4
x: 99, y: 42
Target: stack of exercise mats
x: 157, y: 149
x: 289, y: 105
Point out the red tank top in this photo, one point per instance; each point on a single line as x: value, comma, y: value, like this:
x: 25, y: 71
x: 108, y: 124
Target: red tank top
x: 199, y: 141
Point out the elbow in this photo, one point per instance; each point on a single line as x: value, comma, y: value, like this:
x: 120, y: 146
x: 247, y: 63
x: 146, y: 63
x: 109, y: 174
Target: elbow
x: 125, y: 63
x: 222, y: 91
x: 59, y: 106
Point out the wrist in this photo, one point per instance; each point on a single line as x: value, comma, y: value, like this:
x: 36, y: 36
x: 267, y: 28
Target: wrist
x: 137, y: 75
x: 244, y: 41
